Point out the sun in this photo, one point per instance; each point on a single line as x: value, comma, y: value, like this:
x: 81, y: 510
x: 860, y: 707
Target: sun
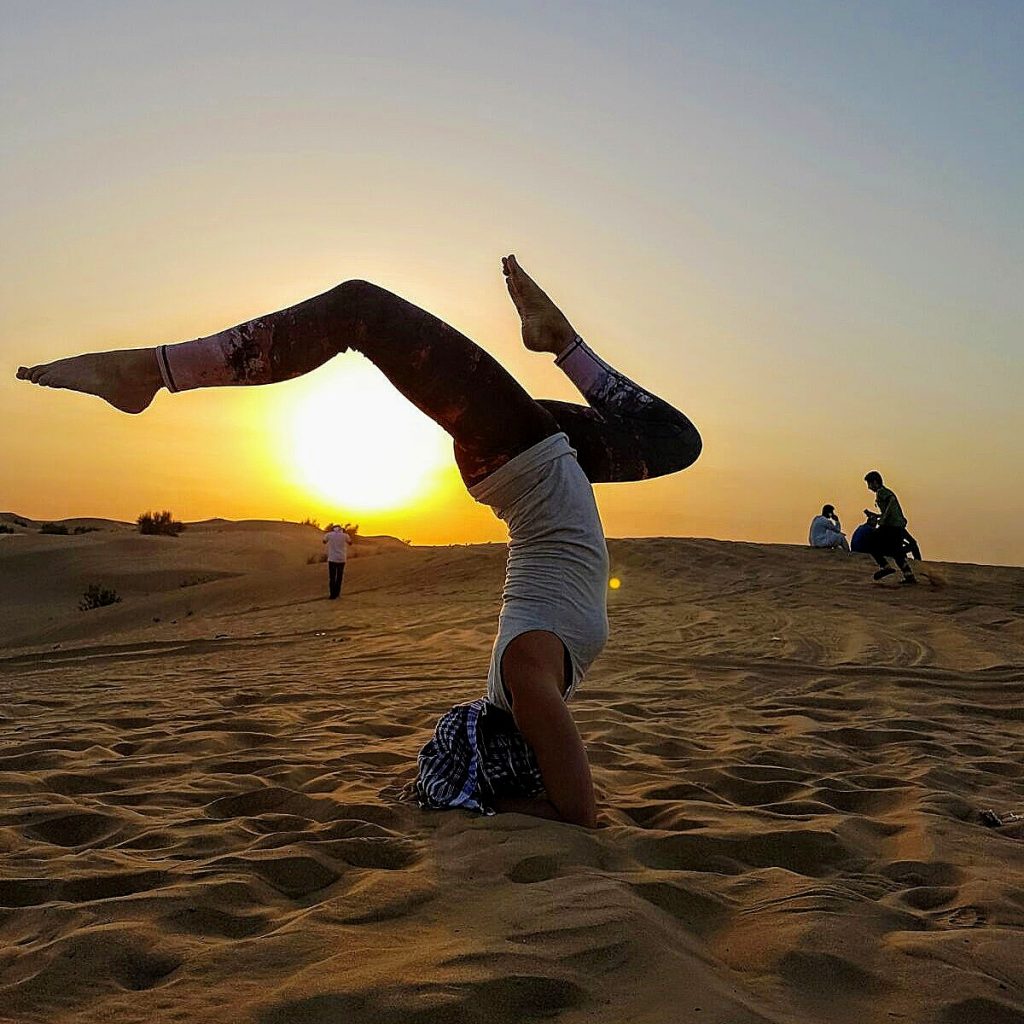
x: 350, y: 439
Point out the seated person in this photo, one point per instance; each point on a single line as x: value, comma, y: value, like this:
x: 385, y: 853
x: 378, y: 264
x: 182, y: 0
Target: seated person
x: 860, y: 542
x: 861, y: 539
x: 826, y: 531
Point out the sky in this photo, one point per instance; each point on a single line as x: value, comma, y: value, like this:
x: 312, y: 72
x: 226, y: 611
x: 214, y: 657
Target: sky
x: 800, y: 222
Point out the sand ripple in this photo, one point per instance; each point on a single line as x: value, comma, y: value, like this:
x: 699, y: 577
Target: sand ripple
x: 791, y: 762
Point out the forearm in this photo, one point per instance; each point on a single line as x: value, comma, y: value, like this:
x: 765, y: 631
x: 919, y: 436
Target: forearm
x: 533, y: 668
x: 562, y: 758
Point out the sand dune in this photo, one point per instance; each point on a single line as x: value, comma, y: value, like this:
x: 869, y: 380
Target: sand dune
x: 198, y: 791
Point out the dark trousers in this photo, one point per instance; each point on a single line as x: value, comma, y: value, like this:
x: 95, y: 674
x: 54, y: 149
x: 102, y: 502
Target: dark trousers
x: 335, y: 574
x: 887, y: 541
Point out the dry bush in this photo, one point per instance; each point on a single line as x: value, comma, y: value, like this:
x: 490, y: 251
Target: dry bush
x: 160, y: 523
x: 96, y: 596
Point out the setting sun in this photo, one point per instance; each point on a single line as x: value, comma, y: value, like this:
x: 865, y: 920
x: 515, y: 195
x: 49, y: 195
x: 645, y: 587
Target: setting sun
x: 349, y: 438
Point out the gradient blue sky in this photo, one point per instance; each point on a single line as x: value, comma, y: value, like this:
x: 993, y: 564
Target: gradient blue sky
x: 801, y: 222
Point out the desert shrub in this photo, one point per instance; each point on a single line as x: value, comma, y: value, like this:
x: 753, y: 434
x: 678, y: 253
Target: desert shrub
x: 4, y: 528
x: 96, y: 596
x: 310, y: 521
x: 18, y: 521
x: 86, y: 529
x: 161, y: 523
x: 319, y: 556
x: 352, y: 529
x: 58, y: 528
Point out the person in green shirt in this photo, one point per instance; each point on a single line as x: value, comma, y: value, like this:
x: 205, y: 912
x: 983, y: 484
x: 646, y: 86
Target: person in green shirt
x: 887, y: 538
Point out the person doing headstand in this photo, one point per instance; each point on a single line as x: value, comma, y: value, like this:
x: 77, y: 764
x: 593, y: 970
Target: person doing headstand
x: 532, y: 461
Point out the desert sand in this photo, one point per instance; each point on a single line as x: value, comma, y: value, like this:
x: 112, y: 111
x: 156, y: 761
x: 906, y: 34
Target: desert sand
x: 199, y: 791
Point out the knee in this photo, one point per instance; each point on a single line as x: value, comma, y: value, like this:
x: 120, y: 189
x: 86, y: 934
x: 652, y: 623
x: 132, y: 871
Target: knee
x: 355, y: 290
x: 683, y: 451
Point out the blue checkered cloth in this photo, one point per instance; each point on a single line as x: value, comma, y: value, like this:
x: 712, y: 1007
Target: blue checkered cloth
x: 476, y: 756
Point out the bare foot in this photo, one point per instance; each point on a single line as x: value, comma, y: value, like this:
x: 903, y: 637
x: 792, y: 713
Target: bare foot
x: 128, y: 379
x: 545, y: 328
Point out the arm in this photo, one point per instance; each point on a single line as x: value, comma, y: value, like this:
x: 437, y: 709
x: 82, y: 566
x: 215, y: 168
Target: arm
x: 886, y: 506
x: 533, y: 668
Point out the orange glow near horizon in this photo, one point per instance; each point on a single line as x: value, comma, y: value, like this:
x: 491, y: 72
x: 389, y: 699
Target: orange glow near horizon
x: 347, y: 439
x: 798, y: 228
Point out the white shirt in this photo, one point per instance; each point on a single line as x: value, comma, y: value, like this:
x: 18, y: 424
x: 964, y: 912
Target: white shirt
x: 556, y: 578
x: 337, y: 542
x: 823, y: 532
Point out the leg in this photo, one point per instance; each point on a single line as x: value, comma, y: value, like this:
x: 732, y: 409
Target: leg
x: 876, y: 551
x: 452, y: 380
x: 626, y: 433
x: 911, y: 546
x: 888, y: 541
x: 333, y: 579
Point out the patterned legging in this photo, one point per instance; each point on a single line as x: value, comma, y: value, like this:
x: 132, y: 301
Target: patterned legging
x: 626, y: 433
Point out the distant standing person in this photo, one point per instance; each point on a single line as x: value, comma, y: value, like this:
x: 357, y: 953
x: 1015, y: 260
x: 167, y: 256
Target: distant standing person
x: 337, y: 541
x: 887, y: 541
x: 826, y: 531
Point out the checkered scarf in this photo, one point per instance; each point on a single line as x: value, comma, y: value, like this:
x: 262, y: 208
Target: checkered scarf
x: 476, y: 756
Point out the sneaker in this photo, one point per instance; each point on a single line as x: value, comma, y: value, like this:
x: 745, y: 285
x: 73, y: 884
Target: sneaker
x: 882, y: 573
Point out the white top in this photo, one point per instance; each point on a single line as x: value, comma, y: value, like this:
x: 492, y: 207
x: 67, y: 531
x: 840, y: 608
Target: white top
x: 556, y: 579
x: 337, y: 542
x: 823, y: 532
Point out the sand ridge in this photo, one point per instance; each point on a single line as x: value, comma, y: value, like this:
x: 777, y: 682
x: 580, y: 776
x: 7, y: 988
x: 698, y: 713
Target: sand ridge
x: 199, y: 813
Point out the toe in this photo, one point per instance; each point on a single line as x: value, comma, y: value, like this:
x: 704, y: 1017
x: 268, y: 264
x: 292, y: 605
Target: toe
x: 22, y: 373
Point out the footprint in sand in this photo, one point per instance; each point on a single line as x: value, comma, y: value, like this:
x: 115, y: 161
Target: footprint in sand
x: 512, y: 999
x: 71, y: 830
x: 533, y: 869
x: 966, y: 917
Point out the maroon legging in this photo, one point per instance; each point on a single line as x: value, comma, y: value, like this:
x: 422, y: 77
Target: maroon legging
x: 626, y: 434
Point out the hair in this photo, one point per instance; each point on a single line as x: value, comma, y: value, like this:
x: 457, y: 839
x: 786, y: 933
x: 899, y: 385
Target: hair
x: 873, y: 477
x: 828, y: 510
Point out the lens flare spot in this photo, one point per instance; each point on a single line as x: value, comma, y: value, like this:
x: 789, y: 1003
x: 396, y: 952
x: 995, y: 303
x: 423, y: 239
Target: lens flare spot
x: 614, y: 583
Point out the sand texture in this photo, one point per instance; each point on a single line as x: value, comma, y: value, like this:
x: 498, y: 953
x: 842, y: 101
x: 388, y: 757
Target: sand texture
x: 199, y: 821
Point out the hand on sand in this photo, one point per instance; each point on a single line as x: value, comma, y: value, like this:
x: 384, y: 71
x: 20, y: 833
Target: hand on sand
x: 545, y: 328
x: 128, y: 379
